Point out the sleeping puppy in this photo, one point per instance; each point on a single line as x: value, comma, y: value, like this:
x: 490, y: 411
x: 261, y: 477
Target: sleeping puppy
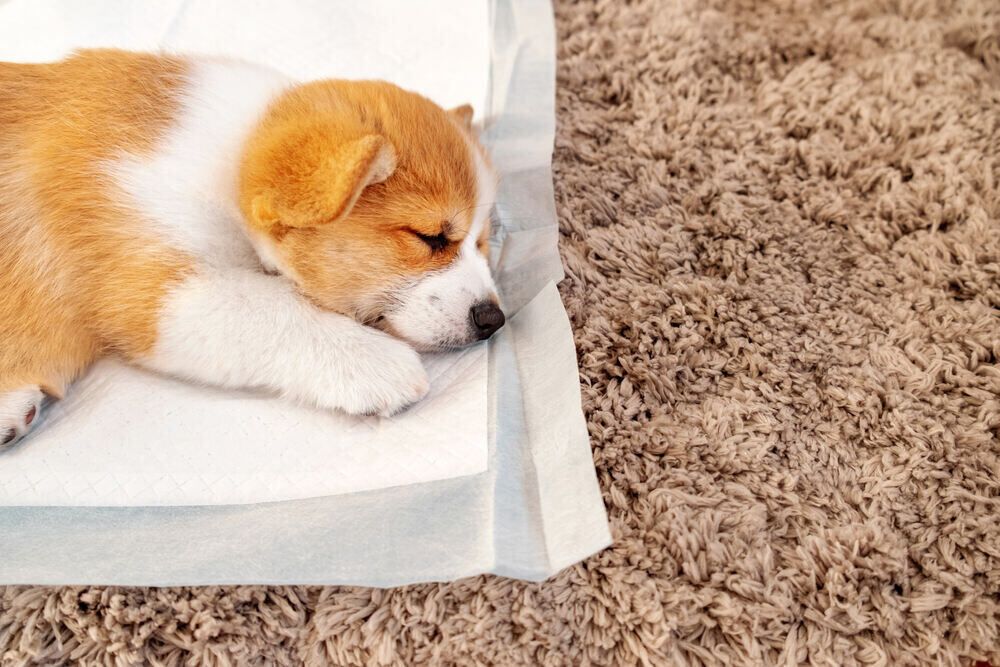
x: 212, y: 220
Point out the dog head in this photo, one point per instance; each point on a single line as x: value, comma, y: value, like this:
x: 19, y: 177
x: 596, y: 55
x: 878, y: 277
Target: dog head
x: 376, y: 202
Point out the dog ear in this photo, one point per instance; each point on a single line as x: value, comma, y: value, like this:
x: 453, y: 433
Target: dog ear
x: 307, y: 175
x: 463, y: 116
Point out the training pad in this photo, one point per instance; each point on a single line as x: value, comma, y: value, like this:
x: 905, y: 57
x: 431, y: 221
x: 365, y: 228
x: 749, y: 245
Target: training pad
x: 535, y: 507
x: 124, y: 436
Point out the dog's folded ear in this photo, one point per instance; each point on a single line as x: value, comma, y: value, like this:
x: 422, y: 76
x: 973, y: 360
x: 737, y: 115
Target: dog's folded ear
x: 306, y: 175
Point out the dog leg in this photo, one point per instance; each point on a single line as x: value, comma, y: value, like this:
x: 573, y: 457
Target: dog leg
x: 246, y: 329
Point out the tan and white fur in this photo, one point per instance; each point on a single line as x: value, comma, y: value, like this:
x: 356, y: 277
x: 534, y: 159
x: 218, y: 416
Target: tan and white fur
x: 213, y: 220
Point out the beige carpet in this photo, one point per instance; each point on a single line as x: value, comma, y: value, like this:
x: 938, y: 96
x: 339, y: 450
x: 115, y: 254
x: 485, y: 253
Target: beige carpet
x: 782, y: 234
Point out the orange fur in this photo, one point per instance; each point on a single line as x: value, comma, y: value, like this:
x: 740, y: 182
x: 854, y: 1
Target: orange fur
x: 78, y: 278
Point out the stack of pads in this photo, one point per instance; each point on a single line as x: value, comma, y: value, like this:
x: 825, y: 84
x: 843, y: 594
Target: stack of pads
x: 490, y: 473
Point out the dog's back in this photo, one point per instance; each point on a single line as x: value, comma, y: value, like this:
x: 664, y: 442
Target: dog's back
x: 77, y: 276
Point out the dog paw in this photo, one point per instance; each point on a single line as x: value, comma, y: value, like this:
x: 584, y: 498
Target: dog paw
x: 387, y: 377
x: 19, y: 411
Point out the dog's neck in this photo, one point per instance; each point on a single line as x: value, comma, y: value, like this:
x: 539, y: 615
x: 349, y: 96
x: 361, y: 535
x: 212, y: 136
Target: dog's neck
x: 191, y: 185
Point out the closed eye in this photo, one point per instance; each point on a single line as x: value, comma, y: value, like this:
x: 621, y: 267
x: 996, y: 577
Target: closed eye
x: 436, y: 243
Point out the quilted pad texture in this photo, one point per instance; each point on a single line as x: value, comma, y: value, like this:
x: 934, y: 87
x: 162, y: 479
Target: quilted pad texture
x: 124, y: 437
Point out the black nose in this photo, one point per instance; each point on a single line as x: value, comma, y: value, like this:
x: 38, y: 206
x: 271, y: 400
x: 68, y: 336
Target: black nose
x: 487, y: 317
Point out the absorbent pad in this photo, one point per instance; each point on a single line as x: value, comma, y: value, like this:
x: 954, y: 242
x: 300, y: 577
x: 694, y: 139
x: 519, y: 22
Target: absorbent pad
x: 124, y: 436
x: 507, y: 483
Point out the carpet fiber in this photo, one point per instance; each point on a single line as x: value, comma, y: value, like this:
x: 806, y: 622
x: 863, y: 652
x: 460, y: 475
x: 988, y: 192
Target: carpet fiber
x: 781, y: 229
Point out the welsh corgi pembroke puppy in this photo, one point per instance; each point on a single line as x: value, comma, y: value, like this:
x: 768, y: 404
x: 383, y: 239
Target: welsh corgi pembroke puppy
x: 213, y: 220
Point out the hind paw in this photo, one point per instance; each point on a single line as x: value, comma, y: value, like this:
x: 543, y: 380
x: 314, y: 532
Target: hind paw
x: 19, y: 410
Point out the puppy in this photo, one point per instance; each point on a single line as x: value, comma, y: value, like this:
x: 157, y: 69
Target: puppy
x: 215, y: 221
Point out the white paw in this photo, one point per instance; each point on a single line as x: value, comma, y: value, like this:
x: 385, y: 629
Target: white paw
x: 385, y: 376
x: 19, y: 410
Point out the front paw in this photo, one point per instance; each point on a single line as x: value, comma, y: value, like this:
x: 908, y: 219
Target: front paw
x: 386, y: 377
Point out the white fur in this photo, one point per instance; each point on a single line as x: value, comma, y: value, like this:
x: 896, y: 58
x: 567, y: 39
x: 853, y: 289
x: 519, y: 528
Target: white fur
x: 190, y: 191
x: 435, y: 310
x: 241, y: 328
x: 14, y: 406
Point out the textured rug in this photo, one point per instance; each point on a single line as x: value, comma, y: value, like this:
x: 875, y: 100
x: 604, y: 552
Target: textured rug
x: 781, y: 229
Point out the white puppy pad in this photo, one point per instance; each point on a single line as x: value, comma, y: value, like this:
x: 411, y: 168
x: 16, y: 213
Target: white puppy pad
x: 535, y: 509
x: 124, y: 437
